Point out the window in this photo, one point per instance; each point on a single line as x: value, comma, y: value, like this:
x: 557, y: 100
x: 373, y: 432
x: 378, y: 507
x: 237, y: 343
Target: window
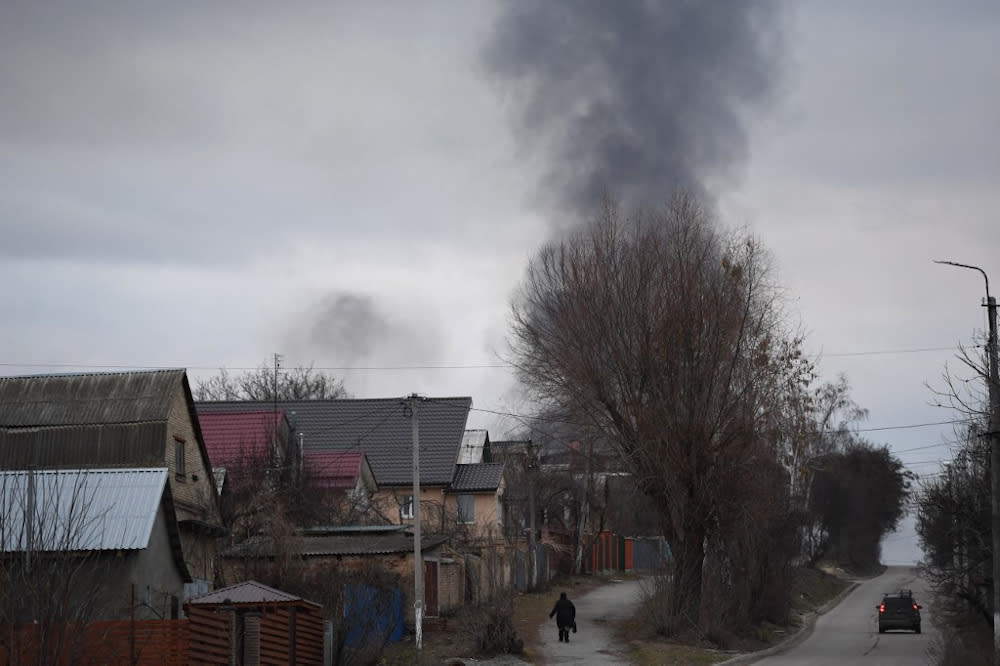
x: 179, y: 457
x: 406, y: 507
x: 466, y: 508
x: 499, y: 509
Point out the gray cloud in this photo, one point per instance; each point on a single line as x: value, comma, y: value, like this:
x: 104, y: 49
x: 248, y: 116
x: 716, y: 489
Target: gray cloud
x: 635, y: 97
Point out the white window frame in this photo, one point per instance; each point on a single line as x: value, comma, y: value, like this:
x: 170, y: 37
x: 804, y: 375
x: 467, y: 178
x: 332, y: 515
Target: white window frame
x: 469, y: 498
x: 406, y: 508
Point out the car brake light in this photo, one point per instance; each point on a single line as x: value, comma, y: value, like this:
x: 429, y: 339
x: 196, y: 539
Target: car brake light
x: 881, y: 609
x: 916, y: 607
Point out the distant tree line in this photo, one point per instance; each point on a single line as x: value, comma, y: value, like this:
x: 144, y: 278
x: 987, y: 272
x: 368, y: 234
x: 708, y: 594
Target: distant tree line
x: 270, y: 383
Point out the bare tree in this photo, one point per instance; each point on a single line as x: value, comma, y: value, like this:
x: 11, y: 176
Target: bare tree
x: 265, y: 383
x: 51, y: 571
x: 667, y: 336
x: 954, y: 516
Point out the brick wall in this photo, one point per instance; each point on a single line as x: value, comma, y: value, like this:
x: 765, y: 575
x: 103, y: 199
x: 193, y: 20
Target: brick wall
x: 387, y: 502
x: 451, y: 585
x: 194, y: 496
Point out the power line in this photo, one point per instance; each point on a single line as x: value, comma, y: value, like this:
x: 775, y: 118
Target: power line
x: 885, y: 352
x: 214, y: 368
x: 949, y: 443
x: 842, y: 430
x: 425, y: 366
x: 904, y: 427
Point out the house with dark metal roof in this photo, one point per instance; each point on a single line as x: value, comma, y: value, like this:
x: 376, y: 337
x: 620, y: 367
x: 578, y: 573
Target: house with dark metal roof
x: 457, y: 500
x: 119, y: 420
x: 106, y: 538
x: 476, y: 498
x: 382, y: 429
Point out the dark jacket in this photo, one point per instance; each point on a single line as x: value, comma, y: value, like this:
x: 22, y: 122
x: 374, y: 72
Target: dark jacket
x: 565, y: 612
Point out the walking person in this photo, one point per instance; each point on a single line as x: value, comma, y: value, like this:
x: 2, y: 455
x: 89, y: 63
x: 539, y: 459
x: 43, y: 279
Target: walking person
x: 565, y: 614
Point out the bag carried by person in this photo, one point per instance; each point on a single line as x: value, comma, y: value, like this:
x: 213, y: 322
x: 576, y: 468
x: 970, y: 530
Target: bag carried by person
x: 574, y: 626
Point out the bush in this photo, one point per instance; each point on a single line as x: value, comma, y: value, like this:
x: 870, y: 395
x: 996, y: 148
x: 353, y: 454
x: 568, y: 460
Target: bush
x: 491, y: 627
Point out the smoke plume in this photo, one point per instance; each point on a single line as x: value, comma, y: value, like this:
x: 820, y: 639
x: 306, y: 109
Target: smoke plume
x: 637, y: 98
x: 346, y: 328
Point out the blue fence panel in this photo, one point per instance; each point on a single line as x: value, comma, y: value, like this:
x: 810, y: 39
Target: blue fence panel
x: 373, y: 615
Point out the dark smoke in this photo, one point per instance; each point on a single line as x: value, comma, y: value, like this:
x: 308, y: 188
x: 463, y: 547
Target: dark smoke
x: 347, y: 328
x: 637, y: 98
x: 347, y: 325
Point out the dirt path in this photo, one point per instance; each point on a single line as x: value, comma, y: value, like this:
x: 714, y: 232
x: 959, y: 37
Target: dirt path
x: 595, y: 612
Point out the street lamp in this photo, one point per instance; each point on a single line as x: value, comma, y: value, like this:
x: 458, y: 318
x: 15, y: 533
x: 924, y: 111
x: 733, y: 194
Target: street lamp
x: 992, y: 380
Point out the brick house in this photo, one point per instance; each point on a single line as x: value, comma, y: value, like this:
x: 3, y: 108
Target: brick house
x: 381, y: 429
x: 459, y: 494
x: 475, y: 497
x: 119, y: 420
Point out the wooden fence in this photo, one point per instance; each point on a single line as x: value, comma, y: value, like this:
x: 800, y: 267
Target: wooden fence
x: 117, y: 643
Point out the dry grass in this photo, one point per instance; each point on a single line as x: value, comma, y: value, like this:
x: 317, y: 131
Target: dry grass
x: 811, y: 590
x: 669, y: 654
x: 441, y: 643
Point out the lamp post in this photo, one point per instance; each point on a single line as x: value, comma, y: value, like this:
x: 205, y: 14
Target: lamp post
x: 992, y: 380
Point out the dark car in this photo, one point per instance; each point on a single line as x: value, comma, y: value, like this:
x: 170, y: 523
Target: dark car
x: 898, y: 610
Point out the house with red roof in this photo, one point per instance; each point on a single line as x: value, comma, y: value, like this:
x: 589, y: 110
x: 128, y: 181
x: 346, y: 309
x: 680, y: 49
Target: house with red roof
x: 257, y: 450
x: 245, y: 441
x: 346, y: 475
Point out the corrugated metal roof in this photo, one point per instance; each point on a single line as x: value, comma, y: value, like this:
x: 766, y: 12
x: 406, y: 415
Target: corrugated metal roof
x: 119, y: 444
x: 375, y: 544
x: 83, y: 399
x: 380, y: 428
x: 320, y: 530
x: 484, y: 476
x: 336, y: 544
x: 248, y: 592
x: 79, y: 510
x: 504, y: 449
x: 473, y: 443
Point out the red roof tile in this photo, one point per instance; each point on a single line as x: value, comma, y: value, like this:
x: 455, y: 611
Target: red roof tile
x: 334, y: 469
x: 234, y: 440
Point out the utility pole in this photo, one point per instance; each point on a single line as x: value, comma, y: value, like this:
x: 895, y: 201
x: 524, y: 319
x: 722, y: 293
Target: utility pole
x: 532, y: 461
x: 418, y: 562
x: 993, y: 386
x: 277, y: 366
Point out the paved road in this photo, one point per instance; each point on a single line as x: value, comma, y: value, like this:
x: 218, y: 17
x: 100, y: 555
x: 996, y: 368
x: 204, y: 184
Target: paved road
x: 848, y: 634
x: 595, y: 612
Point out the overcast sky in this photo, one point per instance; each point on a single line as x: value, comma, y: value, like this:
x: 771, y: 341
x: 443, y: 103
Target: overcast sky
x: 360, y: 185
